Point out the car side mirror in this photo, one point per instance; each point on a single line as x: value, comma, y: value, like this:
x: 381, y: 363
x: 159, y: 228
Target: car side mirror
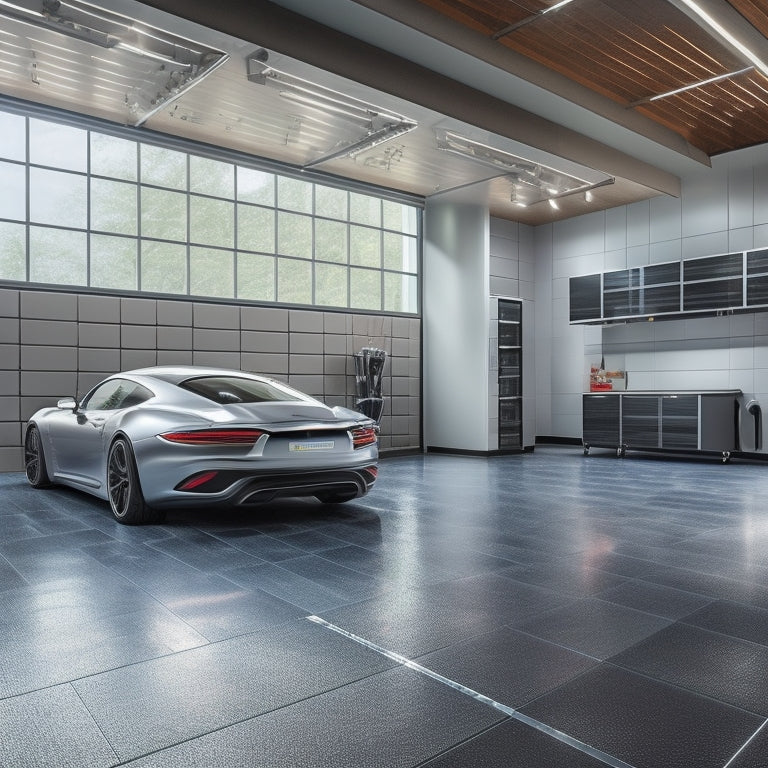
x: 67, y: 404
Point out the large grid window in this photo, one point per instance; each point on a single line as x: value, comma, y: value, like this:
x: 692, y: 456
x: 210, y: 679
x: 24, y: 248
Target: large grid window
x: 84, y: 208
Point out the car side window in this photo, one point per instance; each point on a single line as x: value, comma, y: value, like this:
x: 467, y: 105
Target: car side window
x: 115, y: 394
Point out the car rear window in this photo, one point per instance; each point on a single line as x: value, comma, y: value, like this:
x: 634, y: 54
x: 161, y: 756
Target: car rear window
x: 233, y: 389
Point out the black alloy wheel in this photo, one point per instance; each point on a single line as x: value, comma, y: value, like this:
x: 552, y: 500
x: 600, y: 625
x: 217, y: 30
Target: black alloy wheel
x: 34, y: 459
x: 125, y: 497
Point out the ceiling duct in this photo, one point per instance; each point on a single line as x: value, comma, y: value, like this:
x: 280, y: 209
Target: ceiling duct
x: 531, y: 182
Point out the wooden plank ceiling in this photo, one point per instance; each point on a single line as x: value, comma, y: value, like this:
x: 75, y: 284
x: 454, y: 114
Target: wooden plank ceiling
x: 634, y: 52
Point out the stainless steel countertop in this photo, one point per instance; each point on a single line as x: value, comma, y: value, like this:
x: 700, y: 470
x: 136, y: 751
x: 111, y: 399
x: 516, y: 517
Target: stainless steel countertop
x: 668, y: 392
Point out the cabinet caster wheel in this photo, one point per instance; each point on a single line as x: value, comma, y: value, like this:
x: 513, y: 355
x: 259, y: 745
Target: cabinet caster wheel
x: 586, y: 449
x: 726, y: 457
x: 620, y: 451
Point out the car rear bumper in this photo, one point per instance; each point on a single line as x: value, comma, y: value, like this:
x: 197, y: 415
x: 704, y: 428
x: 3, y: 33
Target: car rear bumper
x: 233, y: 487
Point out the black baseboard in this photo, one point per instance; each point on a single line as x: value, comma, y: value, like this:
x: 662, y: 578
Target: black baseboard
x: 480, y: 454
x: 554, y: 440
x: 391, y: 453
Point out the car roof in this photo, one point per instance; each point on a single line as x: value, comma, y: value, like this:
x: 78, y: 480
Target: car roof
x: 174, y: 374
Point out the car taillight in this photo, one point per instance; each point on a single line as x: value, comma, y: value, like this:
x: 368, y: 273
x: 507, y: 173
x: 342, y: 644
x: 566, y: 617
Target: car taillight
x: 196, y: 480
x: 363, y: 436
x: 214, y: 437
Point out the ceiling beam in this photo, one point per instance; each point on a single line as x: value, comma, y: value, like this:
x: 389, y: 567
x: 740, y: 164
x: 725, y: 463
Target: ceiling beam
x: 425, y: 19
x: 730, y: 28
x: 291, y: 34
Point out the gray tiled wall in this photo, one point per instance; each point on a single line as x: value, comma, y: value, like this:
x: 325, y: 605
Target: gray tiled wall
x: 54, y: 344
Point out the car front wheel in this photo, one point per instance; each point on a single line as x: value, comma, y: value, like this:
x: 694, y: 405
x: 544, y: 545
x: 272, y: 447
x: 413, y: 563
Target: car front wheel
x: 125, y: 497
x: 34, y: 459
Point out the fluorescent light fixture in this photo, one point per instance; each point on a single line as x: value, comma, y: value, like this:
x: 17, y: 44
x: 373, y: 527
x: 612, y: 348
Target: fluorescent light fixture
x: 324, y: 106
x: 690, y: 87
x: 529, y: 19
x: 531, y: 182
x: 725, y: 34
x: 588, y: 196
x: 555, y: 6
x: 449, y: 141
x: 380, y: 125
x: 388, y: 132
x: 182, y: 63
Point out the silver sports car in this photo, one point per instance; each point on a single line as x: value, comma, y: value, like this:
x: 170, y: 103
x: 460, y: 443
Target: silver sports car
x: 156, y: 438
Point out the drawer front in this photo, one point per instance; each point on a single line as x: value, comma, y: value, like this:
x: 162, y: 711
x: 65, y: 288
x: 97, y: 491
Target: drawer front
x: 640, y: 421
x: 600, y: 420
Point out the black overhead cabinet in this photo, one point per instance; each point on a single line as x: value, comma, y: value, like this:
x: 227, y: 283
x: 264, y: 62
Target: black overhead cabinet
x: 731, y: 282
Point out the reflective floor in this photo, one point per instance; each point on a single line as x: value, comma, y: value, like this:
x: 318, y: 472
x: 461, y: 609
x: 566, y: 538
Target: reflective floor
x: 546, y: 609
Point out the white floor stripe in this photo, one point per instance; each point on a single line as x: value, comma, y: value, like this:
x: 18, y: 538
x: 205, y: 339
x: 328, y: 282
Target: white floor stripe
x: 746, y: 744
x: 603, y: 757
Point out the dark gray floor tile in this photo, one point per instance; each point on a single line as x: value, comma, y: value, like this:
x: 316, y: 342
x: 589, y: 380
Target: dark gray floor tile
x: 51, y: 728
x: 729, y: 543
x: 514, y: 745
x: 10, y: 578
x: 594, y: 627
x: 387, y: 563
x: 654, y: 598
x: 312, y: 541
x: 352, y: 585
x: 55, y: 653
x: 169, y: 700
x: 414, y: 717
x: 259, y: 545
x: 740, y: 621
x: 714, y: 586
x: 416, y: 621
x: 508, y: 666
x: 219, y: 609
x: 19, y: 526
x: 569, y: 577
x: 203, y: 552
x: 645, y: 723
x: 69, y: 599
x: 306, y: 595
x: 709, y: 663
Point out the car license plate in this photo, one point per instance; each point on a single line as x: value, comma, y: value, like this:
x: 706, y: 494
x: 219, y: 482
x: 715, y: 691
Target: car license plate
x: 311, y: 445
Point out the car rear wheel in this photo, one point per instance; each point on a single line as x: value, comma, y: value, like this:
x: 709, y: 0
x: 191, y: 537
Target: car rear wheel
x: 125, y: 497
x: 34, y: 459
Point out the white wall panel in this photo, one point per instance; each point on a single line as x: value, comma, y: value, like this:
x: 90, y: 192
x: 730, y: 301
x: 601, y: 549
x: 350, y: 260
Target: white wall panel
x: 666, y: 250
x: 741, y: 239
x: 665, y: 218
x: 741, y: 193
x: 616, y: 228
x: 579, y: 236
x: 760, y: 207
x: 705, y: 245
x: 705, y: 206
x: 638, y: 224
x: 615, y: 260
x: 638, y: 255
x: 707, y: 328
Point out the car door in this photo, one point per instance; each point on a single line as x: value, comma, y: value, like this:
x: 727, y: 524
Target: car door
x: 77, y: 436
